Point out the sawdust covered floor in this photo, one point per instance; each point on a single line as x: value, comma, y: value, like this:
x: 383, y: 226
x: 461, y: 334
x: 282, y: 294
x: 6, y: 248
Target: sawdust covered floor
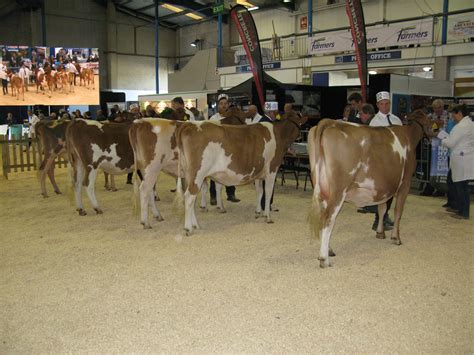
x: 103, y: 284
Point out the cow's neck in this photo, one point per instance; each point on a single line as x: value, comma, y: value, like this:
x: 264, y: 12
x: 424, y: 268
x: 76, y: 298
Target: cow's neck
x: 286, y: 132
x: 416, y: 132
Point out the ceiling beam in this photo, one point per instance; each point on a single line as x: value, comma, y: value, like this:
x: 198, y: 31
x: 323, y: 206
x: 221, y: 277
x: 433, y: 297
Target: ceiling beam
x: 194, y: 6
x: 145, y: 17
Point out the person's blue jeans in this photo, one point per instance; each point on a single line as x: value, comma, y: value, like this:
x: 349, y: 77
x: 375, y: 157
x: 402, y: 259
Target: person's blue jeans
x: 462, y: 197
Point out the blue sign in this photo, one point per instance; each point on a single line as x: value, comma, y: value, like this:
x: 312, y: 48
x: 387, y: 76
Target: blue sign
x: 439, y: 158
x: 246, y: 68
x: 370, y: 56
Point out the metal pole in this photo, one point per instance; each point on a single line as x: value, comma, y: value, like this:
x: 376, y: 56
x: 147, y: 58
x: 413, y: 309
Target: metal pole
x: 43, y: 24
x: 444, y: 32
x: 310, y: 18
x: 157, y: 52
x: 219, y: 40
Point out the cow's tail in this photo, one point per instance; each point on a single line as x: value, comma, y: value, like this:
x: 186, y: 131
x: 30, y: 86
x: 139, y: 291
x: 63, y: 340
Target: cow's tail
x: 39, y: 156
x: 316, y: 159
x: 132, y: 135
x: 70, y: 168
x: 178, y: 203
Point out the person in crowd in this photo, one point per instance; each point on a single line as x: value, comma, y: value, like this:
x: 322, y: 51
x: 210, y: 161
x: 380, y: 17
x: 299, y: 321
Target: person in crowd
x: 78, y: 114
x: 366, y: 114
x: 4, y: 78
x: 461, y: 144
x: 177, y: 103
x: 24, y: 74
x: 113, y: 114
x: 222, y: 107
x: 32, y: 121
x: 87, y: 115
x: 198, y: 115
x: 346, y: 113
x: 53, y: 116
x: 384, y: 118
x: 356, y: 101
x: 64, y: 117
x: 117, y: 109
x: 253, y: 115
x: 135, y: 110
x: 100, y: 116
x: 150, y: 112
x: 10, y: 119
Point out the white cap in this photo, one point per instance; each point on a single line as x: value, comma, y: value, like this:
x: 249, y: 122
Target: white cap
x: 222, y: 96
x: 132, y: 106
x: 383, y: 95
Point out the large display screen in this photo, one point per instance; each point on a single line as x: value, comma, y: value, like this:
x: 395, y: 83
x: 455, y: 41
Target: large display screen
x: 49, y: 75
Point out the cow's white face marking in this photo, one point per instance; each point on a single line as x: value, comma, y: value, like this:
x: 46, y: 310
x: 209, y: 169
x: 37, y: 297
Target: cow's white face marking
x: 109, y: 165
x: 398, y: 148
x: 94, y: 123
x: 362, y: 143
x: 214, y: 160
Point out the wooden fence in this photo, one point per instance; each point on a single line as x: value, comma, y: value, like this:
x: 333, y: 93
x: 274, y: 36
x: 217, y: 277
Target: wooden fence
x: 21, y: 154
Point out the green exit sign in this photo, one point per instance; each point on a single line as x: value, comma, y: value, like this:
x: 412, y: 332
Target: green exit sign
x: 218, y: 9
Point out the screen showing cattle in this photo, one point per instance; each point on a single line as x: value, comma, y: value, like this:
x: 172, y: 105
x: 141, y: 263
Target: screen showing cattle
x: 49, y: 75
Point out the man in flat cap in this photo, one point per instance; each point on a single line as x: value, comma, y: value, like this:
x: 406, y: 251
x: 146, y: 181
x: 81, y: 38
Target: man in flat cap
x: 384, y: 117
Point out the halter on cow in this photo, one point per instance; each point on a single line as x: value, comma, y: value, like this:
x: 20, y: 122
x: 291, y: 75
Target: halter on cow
x: 363, y: 165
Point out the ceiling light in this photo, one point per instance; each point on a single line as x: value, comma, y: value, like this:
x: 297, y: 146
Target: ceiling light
x: 372, y: 72
x: 172, y: 8
x: 253, y: 8
x: 245, y: 3
x: 194, y: 16
x: 427, y: 68
x: 195, y: 43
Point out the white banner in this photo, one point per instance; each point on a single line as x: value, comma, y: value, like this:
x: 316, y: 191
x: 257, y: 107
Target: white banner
x: 460, y: 27
x: 398, y: 34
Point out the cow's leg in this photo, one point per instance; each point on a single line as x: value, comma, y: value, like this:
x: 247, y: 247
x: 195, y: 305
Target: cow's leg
x: 79, y: 178
x: 382, y: 208
x: 259, y: 190
x: 154, y: 208
x: 146, y: 195
x: 112, y: 183
x: 106, y: 181
x: 51, y: 176
x: 328, y: 219
x: 91, y: 190
x: 220, y: 204
x: 204, y: 189
x: 269, y: 183
x: 399, y: 204
x: 189, y: 200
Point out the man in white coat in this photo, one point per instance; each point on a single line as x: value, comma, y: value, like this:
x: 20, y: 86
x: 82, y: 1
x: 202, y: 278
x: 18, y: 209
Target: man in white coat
x: 384, y: 117
x: 460, y: 142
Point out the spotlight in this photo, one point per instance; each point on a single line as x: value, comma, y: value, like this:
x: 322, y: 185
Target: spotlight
x: 427, y: 68
x: 372, y: 72
x: 195, y: 43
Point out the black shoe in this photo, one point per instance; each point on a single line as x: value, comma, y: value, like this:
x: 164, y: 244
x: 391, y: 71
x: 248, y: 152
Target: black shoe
x: 233, y: 199
x: 173, y: 190
x: 426, y: 193
x: 362, y: 210
x: 375, y: 224
x: 129, y: 182
x: 438, y: 193
x: 213, y: 201
x: 388, y: 221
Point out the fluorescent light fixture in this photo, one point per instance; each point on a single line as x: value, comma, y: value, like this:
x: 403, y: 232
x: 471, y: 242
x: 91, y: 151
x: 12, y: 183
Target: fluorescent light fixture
x: 427, y: 68
x: 178, y: 9
x: 253, y: 8
x: 245, y: 3
x: 193, y: 44
x: 372, y: 72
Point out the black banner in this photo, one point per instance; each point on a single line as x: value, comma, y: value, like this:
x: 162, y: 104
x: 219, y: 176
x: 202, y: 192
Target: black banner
x: 248, y: 33
x: 356, y: 17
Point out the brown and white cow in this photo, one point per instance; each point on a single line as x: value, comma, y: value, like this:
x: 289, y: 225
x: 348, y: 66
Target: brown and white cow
x: 86, y: 75
x: 17, y: 84
x: 154, y: 144
x: 92, y: 145
x: 363, y: 165
x: 44, y: 80
x: 52, y: 138
x: 233, y: 155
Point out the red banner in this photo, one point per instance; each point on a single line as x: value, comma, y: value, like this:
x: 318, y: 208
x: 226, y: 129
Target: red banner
x: 356, y: 16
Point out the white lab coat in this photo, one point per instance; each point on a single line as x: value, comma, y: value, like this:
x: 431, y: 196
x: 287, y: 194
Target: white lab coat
x: 33, y: 120
x: 380, y: 120
x: 190, y: 113
x: 461, y: 144
x: 255, y: 119
x: 216, y: 117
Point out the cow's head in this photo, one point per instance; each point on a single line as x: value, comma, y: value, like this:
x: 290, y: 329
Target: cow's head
x: 419, y: 118
x: 295, y: 118
x: 234, y: 116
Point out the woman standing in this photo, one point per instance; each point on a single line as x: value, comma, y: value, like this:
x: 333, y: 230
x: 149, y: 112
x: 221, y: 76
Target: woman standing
x: 461, y: 144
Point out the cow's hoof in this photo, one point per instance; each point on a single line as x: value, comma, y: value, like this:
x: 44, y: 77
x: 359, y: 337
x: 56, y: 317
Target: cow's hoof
x: 204, y: 209
x: 380, y: 235
x: 98, y: 211
x: 270, y: 221
x: 57, y: 192
x: 113, y: 189
x: 187, y: 232
x: 323, y: 262
x: 157, y: 198
x: 146, y: 226
x: 221, y: 210
x: 45, y: 195
x: 331, y: 252
x: 81, y: 212
x: 258, y: 215
x: 159, y: 218
x: 396, y: 241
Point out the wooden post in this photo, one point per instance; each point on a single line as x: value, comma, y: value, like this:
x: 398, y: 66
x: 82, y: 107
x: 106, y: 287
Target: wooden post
x: 4, y: 147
